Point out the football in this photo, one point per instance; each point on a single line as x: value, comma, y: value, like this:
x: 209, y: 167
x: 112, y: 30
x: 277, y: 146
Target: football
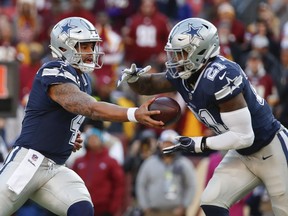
x: 170, y: 110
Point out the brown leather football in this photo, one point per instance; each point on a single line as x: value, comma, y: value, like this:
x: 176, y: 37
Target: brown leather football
x: 170, y: 110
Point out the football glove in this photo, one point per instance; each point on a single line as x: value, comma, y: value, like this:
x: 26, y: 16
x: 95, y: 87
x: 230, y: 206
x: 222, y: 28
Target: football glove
x: 187, y: 144
x: 132, y: 74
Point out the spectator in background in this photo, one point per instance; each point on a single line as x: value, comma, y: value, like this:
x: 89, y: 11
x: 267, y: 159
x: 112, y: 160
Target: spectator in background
x: 260, y: 79
x: 50, y: 13
x: 28, y: 71
x: 284, y: 36
x: 229, y: 47
x: 111, y: 142
x: 112, y: 43
x: 280, y: 9
x: 209, y: 8
x: 196, y: 6
x: 118, y: 11
x: 165, y: 185
x: 105, y: 80
x: 260, y: 43
x: 283, y: 115
x: 146, y: 34
x: 5, y: 3
x: 77, y: 9
x: 8, y: 54
x: 140, y: 149
x: 169, y: 8
x: 27, y: 21
x: 266, y: 14
x: 226, y: 13
x: 115, y: 147
x: 183, y: 10
x: 27, y: 24
x: 102, y: 175
x: 226, y: 40
x: 175, y: 10
x: 260, y: 27
x: 113, y: 47
x: 105, y: 90
x: 231, y: 31
x: 8, y: 50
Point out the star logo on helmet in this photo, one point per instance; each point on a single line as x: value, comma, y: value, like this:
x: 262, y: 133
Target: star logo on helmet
x: 194, y: 31
x: 66, y: 28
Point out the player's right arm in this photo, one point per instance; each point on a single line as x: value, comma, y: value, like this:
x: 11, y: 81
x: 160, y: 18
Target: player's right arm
x: 69, y: 96
x: 145, y: 83
x: 151, y: 84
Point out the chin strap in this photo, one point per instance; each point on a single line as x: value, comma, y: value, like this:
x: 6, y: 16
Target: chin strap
x: 88, y: 68
x: 55, y: 52
x: 185, y: 74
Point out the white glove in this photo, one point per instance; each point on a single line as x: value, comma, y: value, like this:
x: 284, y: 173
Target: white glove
x: 132, y: 74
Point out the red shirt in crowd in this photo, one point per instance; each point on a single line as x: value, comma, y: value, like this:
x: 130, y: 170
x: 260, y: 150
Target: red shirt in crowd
x: 104, y: 179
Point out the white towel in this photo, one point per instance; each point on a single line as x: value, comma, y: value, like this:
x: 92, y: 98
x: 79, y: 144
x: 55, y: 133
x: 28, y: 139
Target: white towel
x: 25, y: 171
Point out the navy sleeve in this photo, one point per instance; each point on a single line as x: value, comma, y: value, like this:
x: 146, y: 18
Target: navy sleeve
x: 223, y: 81
x: 58, y: 72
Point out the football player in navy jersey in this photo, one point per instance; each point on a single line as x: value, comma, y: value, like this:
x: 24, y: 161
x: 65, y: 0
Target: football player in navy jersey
x: 219, y: 94
x: 57, y: 105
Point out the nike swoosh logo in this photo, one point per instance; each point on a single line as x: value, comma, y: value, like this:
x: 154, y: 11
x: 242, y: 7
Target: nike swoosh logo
x: 265, y: 158
x: 222, y: 77
x: 181, y: 39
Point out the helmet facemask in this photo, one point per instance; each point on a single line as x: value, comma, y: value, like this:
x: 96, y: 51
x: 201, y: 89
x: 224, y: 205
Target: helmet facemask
x: 179, y: 64
x: 95, y: 58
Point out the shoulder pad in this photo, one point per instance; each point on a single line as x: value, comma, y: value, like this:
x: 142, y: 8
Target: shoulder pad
x: 224, y: 78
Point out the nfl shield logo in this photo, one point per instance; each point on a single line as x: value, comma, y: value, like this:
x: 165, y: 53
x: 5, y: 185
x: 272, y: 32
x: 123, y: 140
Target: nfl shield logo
x: 34, y: 157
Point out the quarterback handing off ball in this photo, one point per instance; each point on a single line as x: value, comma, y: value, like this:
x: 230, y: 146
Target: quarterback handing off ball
x: 170, y: 110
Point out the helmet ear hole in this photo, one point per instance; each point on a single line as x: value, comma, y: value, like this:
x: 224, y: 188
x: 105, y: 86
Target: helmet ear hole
x: 62, y: 49
x: 202, y: 52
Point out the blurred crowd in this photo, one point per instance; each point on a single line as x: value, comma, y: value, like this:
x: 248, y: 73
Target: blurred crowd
x: 254, y: 33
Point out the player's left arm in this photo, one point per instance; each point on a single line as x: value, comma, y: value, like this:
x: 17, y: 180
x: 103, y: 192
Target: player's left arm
x: 236, y: 116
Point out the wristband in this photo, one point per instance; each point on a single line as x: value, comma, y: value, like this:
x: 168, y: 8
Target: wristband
x: 131, y: 114
x: 203, y: 144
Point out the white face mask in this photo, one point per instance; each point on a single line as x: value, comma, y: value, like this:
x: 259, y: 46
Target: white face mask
x: 185, y: 74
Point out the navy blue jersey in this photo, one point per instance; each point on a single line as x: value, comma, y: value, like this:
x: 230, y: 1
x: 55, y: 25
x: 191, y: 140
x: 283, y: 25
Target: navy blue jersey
x: 47, y: 127
x: 220, y: 81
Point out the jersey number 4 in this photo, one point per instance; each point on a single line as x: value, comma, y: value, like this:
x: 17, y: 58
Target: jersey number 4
x: 74, y: 127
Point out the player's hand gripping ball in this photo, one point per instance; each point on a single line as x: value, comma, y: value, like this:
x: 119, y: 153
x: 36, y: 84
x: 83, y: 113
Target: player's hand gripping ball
x: 170, y: 110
